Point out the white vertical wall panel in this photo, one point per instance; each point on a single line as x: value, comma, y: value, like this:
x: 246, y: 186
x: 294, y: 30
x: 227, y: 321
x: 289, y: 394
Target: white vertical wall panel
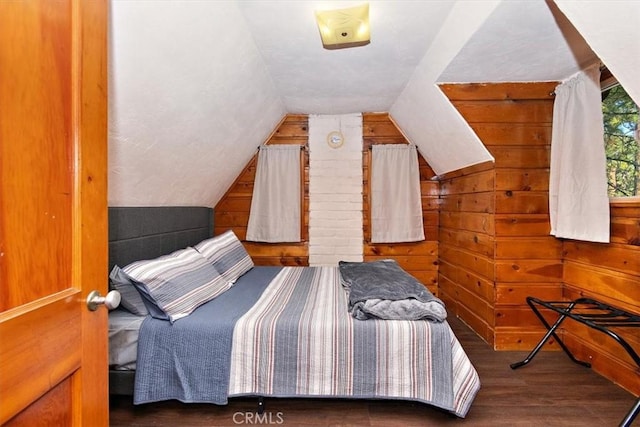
x: 335, y: 190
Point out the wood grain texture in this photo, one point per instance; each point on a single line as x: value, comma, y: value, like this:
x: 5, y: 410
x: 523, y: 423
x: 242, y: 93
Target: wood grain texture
x: 513, y: 121
x: 517, y: 293
x: 47, y: 332
x: 498, y: 213
x: 605, y: 357
x: 500, y: 92
x: 595, y: 281
x: 91, y: 212
x: 469, y: 280
x: 474, y: 183
x: 35, y: 155
x: 507, y: 111
x: 53, y: 212
x: 614, y: 256
x: 515, y: 156
x: 467, y: 260
x: 232, y: 211
x: 525, y: 247
x: 522, y: 179
x: 52, y: 409
x: 505, y: 134
x: 522, y: 224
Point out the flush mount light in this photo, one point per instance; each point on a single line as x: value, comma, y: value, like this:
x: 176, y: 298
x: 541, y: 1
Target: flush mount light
x: 342, y: 28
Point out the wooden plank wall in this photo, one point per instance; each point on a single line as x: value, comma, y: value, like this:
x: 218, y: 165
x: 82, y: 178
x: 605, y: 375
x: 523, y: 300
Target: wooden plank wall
x: 610, y: 273
x: 232, y: 211
x: 514, y: 122
x: 466, y: 252
x: 418, y: 258
x: 494, y: 237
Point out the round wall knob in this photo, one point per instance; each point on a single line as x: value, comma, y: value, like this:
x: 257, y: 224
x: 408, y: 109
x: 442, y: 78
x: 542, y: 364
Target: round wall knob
x: 111, y: 300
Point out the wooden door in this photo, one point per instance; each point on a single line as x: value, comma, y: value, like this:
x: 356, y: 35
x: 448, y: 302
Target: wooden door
x: 53, y: 213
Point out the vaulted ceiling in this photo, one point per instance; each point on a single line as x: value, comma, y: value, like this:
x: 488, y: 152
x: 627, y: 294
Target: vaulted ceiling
x: 195, y: 86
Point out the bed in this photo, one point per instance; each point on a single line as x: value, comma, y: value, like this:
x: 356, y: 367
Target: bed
x: 267, y: 331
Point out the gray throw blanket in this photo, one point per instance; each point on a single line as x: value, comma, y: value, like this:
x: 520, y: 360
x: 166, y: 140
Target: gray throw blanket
x: 383, y: 290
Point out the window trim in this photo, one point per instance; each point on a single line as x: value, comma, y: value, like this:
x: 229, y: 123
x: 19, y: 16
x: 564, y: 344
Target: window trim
x: 607, y: 81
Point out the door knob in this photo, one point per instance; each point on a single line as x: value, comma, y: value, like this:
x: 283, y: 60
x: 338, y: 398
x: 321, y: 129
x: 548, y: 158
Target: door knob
x: 111, y: 300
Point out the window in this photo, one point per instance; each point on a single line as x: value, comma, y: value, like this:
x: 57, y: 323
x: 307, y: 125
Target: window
x: 621, y: 138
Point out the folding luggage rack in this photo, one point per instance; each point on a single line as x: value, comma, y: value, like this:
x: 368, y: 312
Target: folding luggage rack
x: 594, y: 314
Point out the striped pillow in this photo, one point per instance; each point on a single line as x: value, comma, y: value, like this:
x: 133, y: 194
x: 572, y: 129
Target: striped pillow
x: 130, y: 298
x: 177, y: 283
x: 227, y: 254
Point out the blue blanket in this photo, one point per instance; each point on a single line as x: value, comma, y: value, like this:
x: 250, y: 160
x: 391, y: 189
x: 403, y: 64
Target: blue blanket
x: 189, y: 360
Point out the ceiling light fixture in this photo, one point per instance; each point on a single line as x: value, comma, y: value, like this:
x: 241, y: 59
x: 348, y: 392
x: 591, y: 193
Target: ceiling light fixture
x: 342, y: 28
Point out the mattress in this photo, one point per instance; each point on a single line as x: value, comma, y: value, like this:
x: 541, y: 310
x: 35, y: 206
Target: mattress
x: 124, y: 328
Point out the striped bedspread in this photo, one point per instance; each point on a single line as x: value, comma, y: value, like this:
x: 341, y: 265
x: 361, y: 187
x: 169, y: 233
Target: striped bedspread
x: 299, y: 340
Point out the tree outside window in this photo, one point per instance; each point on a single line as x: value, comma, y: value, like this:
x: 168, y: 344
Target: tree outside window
x: 622, y: 141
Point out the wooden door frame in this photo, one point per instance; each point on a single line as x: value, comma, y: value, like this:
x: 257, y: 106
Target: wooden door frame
x: 80, y: 374
x: 90, y: 252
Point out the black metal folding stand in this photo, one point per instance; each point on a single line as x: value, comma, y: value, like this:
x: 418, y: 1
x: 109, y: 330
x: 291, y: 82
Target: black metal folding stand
x: 594, y: 314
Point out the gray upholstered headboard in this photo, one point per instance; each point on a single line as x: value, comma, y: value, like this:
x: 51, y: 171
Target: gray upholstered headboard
x: 147, y: 232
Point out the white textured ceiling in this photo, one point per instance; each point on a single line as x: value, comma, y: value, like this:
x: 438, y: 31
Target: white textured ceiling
x: 311, y: 79
x: 525, y: 40
x: 521, y: 41
x: 196, y: 85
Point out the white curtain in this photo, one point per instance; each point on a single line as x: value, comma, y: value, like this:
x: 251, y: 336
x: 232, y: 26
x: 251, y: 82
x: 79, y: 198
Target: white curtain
x: 578, y: 200
x: 396, y: 205
x: 275, y: 206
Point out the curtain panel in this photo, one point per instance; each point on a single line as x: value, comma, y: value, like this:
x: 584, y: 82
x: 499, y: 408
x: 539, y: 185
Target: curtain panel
x: 275, y: 206
x: 396, y: 204
x: 578, y: 200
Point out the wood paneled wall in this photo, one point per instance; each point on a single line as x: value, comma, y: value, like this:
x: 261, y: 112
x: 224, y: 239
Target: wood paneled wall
x: 610, y: 273
x: 495, y: 247
x: 467, y: 246
x: 232, y: 211
x: 494, y: 236
x: 418, y: 258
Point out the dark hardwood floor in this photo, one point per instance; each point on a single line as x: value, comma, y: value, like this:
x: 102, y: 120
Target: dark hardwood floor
x: 550, y: 391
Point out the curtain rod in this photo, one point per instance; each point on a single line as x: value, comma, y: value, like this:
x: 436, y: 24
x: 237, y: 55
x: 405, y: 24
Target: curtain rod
x: 302, y: 147
x: 601, y: 67
x: 408, y: 144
